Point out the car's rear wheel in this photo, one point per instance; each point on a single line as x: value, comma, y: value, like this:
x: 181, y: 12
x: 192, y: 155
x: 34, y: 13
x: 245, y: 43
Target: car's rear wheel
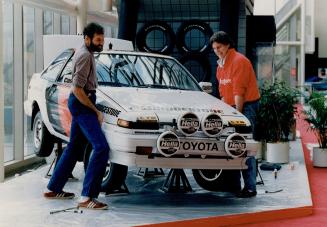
x: 114, y: 176
x: 218, y: 179
x: 43, y: 141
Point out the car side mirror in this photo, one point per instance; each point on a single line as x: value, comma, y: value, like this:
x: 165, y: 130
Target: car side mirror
x: 206, y: 87
x: 68, y: 78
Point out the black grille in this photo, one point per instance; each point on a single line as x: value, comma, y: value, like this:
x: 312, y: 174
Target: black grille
x: 145, y: 125
x: 243, y: 129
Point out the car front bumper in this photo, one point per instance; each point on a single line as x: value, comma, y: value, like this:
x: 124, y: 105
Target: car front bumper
x: 199, y: 152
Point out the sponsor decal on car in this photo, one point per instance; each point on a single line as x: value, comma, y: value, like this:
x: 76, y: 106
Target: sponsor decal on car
x: 168, y: 143
x: 108, y: 110
x: 199, y: 146
x: 174, y: 108
x: 65, y: 116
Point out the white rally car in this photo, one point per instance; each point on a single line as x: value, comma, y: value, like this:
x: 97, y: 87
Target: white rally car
x: 155, y: 115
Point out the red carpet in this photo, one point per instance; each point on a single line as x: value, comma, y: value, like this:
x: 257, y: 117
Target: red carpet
x: 318, y: 187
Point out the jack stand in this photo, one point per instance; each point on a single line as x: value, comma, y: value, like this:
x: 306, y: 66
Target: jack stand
x: 121, y: 190
x: 259, y: 174
x: 144, y: 172
x: 58, y: 153
x: 176, y: 181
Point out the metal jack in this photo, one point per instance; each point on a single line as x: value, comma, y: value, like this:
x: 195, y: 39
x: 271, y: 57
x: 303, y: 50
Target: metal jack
x: 71, y: 209
x: 275, y: 173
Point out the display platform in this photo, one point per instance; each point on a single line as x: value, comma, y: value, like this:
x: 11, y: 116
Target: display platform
x: 22, y: 203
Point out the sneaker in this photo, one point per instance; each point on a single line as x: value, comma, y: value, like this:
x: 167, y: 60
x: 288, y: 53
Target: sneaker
x: 245, y: 193
x: 93, y: 204
x: 60, y: 195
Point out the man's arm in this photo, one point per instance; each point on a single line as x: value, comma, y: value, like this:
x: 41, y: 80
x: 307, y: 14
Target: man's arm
x: 239, y: 101
x: 82, y: 97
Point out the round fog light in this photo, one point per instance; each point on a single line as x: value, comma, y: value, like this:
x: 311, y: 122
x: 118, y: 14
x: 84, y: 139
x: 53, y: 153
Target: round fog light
x: 168, y: 143
x: 212, y: 124
x: 188, y: 123
x: 235, y: 145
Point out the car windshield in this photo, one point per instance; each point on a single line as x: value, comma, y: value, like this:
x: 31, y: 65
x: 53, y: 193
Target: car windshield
x: 122, y: 70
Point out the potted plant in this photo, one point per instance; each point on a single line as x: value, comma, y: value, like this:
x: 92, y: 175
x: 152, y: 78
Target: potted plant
x: 275, y: 119
x: 316, y: 116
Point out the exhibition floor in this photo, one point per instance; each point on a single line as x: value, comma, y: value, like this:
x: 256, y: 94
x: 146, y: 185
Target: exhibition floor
x: 22, y: 203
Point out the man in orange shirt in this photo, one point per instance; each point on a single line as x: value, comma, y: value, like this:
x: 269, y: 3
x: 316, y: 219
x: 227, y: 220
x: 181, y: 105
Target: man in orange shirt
x: 238, y: 88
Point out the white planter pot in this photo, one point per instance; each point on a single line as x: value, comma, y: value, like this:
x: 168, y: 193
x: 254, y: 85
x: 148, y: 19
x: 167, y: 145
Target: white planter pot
x: 278, y: 152
x: 259, y: 156
x: 264, y: 150
x: 319, y: 157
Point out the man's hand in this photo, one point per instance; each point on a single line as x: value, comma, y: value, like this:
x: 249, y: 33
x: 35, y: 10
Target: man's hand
x: 84, y: 99
x: 100, y: 117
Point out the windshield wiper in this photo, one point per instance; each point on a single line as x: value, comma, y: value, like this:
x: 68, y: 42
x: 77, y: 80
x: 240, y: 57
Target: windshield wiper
x: 113, y: 84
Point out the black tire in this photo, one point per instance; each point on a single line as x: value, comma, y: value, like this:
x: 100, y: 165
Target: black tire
x: 198, y: 65
x: 189, y: 26
x: 43, y: 141
x: 114, y: 176
x: 218, y: 180
x: 156, y: 25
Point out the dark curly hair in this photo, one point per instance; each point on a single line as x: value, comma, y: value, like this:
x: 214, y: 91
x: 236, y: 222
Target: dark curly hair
x: 92, y: 28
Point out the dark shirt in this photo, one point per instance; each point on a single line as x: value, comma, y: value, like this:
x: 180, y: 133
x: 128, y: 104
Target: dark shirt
x: 84, y: 69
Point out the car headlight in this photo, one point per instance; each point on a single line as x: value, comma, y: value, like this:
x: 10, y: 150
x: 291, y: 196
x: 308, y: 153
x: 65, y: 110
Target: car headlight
x: 123, y: 123
x: 240, y: 126
x: 142, y: 122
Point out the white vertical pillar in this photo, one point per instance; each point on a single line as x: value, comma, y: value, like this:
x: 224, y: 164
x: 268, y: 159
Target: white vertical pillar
x: 81, y: 15
x: 2, y: 168
x: 38, y: 39
x: 107, y: 5
x: 18, y: 83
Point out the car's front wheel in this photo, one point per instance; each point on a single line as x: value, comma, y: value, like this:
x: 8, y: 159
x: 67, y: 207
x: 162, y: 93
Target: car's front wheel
x: 114, y: 176
x: 43, y: 141
x: 218, y: 180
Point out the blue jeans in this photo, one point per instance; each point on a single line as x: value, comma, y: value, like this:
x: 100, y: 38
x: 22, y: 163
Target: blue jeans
x: 250, y: 174
x: 85, y: 124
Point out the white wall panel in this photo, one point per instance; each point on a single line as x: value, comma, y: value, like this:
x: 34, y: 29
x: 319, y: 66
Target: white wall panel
x: 2, y: 170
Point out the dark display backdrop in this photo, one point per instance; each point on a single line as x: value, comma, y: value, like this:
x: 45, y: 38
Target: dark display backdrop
x: 181, y: 28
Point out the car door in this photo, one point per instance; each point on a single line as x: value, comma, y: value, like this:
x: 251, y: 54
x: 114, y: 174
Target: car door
x: 57, y: 93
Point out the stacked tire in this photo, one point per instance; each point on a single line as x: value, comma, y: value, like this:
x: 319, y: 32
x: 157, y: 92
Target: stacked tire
x: 194, y: 56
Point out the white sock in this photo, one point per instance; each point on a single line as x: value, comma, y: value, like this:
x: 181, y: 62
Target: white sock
x: 83, y: 199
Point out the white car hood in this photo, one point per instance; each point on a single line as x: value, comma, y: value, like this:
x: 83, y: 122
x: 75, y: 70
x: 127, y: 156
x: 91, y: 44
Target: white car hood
x: 164, y: 100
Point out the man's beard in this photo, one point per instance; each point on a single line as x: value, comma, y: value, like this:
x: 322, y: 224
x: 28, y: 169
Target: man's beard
x: 96, y: 48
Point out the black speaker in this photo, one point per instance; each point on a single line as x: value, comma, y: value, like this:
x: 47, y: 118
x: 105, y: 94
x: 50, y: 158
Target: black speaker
x: 260, y: 29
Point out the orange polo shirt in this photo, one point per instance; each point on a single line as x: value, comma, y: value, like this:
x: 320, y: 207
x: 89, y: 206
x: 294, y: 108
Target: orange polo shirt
x: 237, y: 77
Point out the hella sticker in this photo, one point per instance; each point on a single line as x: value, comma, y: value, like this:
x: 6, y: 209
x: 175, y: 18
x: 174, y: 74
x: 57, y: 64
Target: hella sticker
x: 212, y: 124
x: 235, y: 145
x: 168, y: 143
x: 188, y: 123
